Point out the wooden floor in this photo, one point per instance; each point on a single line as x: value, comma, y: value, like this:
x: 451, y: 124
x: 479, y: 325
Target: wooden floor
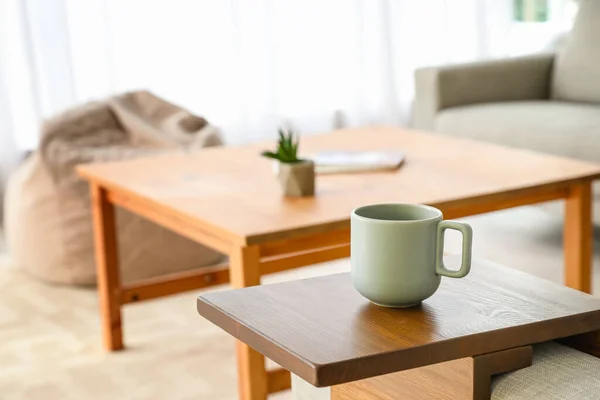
x: 49, y: 335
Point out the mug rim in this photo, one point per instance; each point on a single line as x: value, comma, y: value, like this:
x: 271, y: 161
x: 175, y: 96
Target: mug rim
x: 437, y: 212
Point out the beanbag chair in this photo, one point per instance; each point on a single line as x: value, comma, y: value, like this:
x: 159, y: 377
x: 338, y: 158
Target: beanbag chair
x: 48, y: 220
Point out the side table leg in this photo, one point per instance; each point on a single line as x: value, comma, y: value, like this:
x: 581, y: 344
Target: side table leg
x: 578, y: 238
x: 486, y: 365
x: 105, y: 243
x: 244, y: 271
x: 467, y: 378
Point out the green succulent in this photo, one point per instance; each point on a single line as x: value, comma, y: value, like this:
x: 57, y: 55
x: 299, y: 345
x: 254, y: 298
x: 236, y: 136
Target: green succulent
x: 287, y: 148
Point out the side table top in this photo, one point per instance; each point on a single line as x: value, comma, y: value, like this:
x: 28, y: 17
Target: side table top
x: 322, y: 330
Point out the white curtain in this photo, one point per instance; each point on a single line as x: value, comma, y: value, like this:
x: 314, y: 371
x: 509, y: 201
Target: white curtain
x: 246, y: 65
x: 9, y: 152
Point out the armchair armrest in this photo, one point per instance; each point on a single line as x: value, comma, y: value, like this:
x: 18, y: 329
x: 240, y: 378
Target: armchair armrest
x: 520, y: 78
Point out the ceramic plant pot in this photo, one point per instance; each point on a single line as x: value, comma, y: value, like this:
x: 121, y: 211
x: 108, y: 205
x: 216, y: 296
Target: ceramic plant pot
x: 297, y: 179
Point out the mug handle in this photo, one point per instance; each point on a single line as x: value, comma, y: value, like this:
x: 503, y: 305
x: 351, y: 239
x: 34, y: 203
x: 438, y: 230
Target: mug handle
x: 467, y: 239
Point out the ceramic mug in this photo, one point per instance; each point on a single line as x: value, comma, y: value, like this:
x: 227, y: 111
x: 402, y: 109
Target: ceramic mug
x: 396, y: 252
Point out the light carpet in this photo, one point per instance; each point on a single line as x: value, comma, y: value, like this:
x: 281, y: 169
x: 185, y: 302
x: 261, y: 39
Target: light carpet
x: 50, y: 341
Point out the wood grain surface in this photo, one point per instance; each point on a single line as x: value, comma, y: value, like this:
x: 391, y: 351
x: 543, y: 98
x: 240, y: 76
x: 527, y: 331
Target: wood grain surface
x: 450, y: 380
x: 230, y: 195
x: 176, y: 282
x: 463, y: 379
x: 322, y: 330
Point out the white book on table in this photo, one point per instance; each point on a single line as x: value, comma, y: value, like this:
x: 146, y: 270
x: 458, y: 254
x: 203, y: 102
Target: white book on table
x: 340, y: 161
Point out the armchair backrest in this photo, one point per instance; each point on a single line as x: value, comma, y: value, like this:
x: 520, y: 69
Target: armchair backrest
x: 576, y: 74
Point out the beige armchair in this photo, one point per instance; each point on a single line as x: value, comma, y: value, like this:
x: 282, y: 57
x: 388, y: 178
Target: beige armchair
x: 548, y: 103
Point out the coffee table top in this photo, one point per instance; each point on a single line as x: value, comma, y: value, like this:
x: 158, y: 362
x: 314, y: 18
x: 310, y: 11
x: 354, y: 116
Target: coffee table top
x: 232, y: 192
x: 322, y: 330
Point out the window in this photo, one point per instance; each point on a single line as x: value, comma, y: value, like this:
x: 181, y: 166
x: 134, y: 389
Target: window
x: 531, y: 10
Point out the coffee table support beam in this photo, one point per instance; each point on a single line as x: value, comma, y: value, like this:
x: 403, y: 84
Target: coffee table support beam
x: 503, y: 201
x: 162, y: 217
x: 278, y: 380
x: 152, y: 288
x: 306, y: 243
x: 205, y: 277
x: 277, y: 264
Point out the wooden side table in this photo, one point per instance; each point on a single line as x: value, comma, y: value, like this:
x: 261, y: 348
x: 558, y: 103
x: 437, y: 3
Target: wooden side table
x: 338, y: 345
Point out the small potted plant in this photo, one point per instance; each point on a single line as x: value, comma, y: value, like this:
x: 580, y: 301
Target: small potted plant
x: 296, y: 176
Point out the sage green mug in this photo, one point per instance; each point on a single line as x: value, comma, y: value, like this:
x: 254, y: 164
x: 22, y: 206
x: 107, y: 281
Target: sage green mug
x: 396, y: 252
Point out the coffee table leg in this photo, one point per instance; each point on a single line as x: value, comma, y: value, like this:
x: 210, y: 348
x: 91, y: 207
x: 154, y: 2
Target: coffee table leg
x: 578, y: 238
x: 244, y: 271
x: 107, y: 268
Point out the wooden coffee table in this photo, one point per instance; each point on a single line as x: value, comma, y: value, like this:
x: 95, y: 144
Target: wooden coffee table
x: 330, y: 337
x: 228, y: 199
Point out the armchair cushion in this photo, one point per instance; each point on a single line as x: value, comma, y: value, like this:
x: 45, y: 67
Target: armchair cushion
x: 564, y: 129
x: 513, y: 79
x: 577, y: 68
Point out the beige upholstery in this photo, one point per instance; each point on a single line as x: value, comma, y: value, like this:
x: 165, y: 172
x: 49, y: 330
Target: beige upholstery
x: 47, y: 215
x: 557, y: 373
x: 438, y: 88
x: 542, y: 102
x: 577, y: 71
x: 565, y: 129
